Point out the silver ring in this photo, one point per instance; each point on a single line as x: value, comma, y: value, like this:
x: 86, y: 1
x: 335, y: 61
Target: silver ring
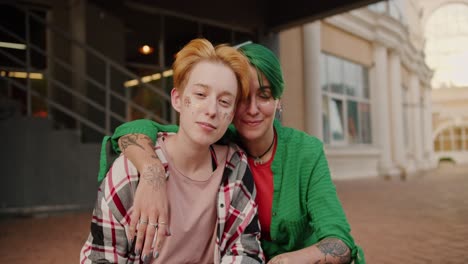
x: 162, y: 223
x: 142, y: 222
x: 155, y: 225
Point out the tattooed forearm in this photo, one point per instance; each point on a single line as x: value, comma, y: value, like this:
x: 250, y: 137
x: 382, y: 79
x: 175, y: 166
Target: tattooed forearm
x: 335, y: 248
x: 132, y: 140
x: 154, y: 176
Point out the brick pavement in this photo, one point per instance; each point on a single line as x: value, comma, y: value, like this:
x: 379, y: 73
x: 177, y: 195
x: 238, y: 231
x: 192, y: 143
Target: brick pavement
x: 421, y: 220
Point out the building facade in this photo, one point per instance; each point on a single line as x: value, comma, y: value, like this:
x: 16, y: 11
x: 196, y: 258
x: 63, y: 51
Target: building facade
x: 359, y: 82
x: 445, y: 25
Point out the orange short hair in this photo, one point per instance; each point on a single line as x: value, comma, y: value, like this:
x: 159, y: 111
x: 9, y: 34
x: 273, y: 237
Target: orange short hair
x: 199, y: 50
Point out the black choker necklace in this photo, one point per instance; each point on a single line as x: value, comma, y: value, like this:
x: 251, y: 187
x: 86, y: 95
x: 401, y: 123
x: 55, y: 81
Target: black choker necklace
x: 258, y: 159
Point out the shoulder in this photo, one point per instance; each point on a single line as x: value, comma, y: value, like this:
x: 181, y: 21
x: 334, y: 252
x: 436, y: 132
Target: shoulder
x: 120, y: 178
x: 235, y: 154
x: 237, y: 167
x: 294, y: 138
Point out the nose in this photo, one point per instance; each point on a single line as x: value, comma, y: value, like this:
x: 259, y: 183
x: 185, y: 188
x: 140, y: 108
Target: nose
x: 251, y: 104
x: 211, y: 107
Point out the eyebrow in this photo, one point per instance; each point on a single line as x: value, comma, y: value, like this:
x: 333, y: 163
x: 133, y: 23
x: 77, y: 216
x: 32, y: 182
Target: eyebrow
x: 207, y: 86
x: 266, y: 87
x: 202, y: 85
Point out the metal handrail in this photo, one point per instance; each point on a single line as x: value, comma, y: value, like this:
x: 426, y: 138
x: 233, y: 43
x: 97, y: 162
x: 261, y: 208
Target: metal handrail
x: 109, y: 66
x: 92, y: 51
x: 59, y: 106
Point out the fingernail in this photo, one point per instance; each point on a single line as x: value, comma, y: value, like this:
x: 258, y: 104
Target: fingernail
x: 145, y: 259
x: 155, y: 254
x: 137, y: 251
x: 131, y: 242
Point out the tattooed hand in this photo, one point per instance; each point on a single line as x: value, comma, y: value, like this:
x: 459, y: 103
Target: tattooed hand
x: 335, y: 250
x: 150, y: 203
x: 327, y: 251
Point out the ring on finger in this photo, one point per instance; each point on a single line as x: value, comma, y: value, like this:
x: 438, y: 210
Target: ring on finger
x: 142, y: 222
x: 162, y: 223
x: 155, y: 225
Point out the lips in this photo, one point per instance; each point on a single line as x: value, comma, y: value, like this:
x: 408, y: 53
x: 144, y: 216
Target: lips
x: 252, y: 122
x: 206, y: 125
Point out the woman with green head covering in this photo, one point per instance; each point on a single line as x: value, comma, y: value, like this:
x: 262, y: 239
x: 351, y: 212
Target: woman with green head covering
x: 300, y: 215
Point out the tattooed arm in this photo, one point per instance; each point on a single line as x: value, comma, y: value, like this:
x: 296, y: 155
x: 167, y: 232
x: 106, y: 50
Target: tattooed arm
x: 150, y: 198
x: 327, y: 251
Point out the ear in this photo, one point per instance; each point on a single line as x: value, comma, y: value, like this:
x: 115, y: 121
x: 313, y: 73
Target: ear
x: 176, y: 99
x: 279, y: 106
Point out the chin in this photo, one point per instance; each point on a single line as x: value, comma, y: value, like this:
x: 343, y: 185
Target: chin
x: 249, y: 134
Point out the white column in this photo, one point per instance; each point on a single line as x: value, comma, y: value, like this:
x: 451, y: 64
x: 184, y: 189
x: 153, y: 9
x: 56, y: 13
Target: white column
x: 381, y: 110
x: 396, y: 106
x: 429, y: 143
x: 416, y: 124
x: 312, y: 90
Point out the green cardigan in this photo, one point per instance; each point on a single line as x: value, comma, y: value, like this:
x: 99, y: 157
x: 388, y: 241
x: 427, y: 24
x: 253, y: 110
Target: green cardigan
x: 305, y: 206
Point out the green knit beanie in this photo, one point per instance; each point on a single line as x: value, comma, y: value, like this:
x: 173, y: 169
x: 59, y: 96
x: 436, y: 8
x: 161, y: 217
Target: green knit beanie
x: 266, y: 63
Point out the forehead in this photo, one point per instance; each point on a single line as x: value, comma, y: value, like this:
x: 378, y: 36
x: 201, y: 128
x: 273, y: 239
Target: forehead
x: 214, y: 75
x: 255, y: 81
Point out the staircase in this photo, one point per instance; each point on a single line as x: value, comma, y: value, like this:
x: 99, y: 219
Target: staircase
x: 55, y: 107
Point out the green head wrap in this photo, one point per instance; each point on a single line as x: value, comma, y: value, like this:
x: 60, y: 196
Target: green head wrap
x: 266, y: 63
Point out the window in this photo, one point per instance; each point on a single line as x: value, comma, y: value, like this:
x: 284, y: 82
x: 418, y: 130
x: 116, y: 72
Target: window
x: 454, y: 138
x: 345, y: 102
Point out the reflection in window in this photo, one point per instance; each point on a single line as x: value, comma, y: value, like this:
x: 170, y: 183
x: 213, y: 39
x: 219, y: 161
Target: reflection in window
x: 336, y: 120
x: 346, y: 104
x: 353, y: 122
x: 335, y: 74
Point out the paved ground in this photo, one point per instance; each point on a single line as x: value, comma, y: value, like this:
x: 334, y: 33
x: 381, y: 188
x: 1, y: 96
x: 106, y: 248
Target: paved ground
x: 423, y: 219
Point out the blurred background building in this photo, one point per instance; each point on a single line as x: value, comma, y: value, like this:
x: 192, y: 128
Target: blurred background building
x: 359, y: 75
x: 446, y: 33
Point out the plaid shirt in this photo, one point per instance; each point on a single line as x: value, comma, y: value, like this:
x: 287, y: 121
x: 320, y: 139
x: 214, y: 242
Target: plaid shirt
x: 238, y: 229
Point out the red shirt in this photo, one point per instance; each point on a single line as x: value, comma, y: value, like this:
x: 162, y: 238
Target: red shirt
x: 263, y: 177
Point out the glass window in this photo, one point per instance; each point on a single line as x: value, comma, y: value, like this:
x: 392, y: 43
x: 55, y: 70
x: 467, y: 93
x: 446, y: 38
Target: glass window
x: 350, y: 78
x: 336, y: 120
x: 365, y: 128
x: 335, y: 74
x: 458, y: 144
x: 446, y: 145
x: 325, y: 120
x: 346, y: 104
x: 437, y: 145
x: 364, y: 82
x: 353, y: 122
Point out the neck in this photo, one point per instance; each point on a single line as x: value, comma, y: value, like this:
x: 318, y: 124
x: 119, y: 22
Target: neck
x: 260, y: 150
x: 181, y: 149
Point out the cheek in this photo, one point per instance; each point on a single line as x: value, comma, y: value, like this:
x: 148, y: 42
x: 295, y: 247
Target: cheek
x: 240, y: 109
x: 228, y: 115
x: 187, y: 101
x: 268, y: 109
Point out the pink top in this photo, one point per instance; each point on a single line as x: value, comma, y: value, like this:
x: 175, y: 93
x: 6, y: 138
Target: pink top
x: 192, y: 212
